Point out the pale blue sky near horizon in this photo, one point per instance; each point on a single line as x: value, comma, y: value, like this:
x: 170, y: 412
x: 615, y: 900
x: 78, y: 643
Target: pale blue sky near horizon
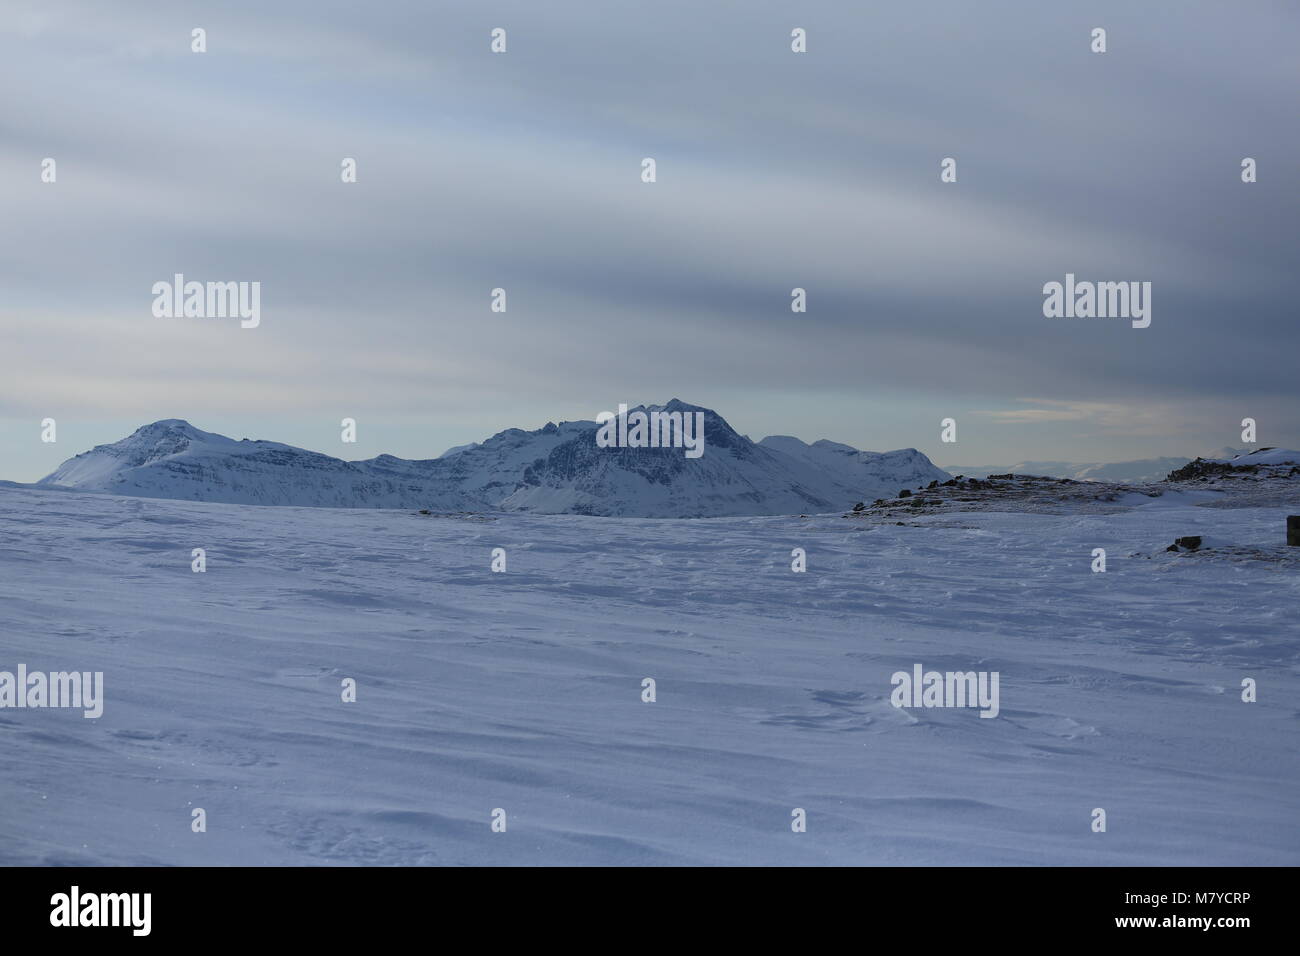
x: 776, y: 170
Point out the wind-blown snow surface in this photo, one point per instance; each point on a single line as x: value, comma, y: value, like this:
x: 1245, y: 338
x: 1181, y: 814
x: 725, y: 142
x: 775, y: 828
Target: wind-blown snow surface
x: 558, y: 469
x: 522, y: 690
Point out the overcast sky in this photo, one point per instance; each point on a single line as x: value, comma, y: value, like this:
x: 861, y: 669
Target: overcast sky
x: 775, y: 170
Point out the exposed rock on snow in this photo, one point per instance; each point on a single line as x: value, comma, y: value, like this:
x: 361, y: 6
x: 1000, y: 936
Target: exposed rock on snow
x: 1264, y: 463
x: 1251, y: 486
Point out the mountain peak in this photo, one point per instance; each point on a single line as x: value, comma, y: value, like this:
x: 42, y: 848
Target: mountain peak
x: 165, y: 425
x: 173, y: 428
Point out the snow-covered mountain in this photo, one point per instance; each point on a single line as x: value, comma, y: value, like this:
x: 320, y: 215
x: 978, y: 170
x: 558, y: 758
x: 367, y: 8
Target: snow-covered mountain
x: 558, y: 469
x: 173, y: 459
x: 843, y: 468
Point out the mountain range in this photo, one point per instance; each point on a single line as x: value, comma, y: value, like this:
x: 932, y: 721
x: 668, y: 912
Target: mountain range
x: 557, y: 469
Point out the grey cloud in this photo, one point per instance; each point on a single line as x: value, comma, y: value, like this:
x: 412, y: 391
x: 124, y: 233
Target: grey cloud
x: 775, y: 171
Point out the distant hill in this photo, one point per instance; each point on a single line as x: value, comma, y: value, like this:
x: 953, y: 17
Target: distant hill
x: 1132, y: 472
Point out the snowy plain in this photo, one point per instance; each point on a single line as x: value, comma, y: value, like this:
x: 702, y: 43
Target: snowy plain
x: 522, y: 690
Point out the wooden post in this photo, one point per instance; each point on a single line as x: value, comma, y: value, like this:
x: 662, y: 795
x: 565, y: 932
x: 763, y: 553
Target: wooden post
x: 1293, y: 530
